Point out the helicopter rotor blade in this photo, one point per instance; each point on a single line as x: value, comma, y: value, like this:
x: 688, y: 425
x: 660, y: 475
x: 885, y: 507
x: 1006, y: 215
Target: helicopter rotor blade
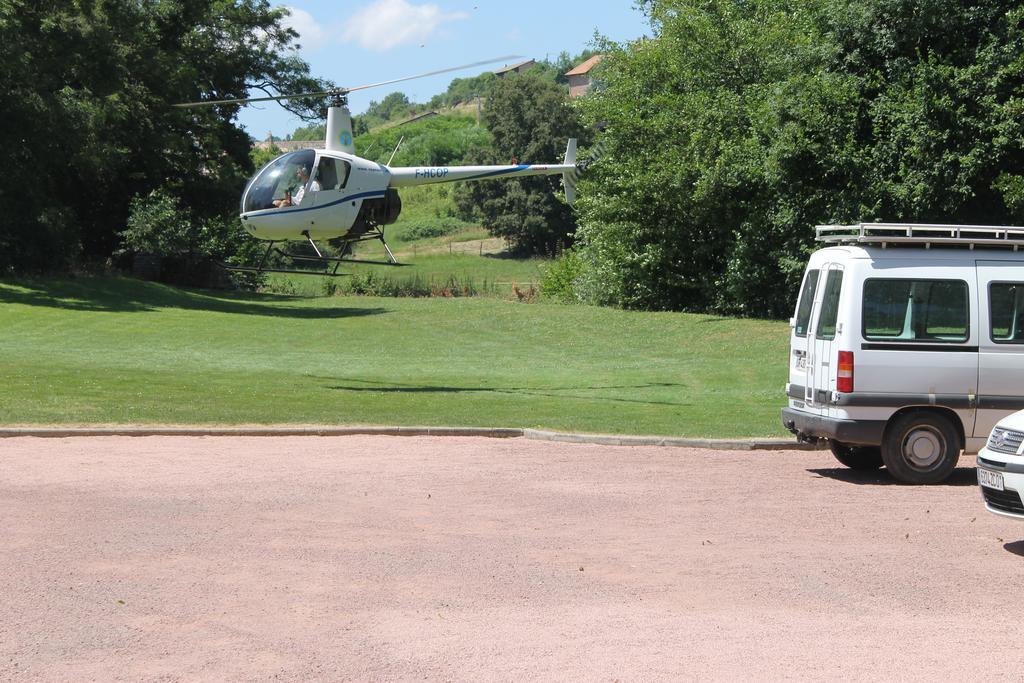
x: 432, y: 73
x: 270, y: 98
x: 337, y: 91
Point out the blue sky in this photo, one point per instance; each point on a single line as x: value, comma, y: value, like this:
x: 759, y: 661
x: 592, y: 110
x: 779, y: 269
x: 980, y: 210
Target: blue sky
x: 354, y: 43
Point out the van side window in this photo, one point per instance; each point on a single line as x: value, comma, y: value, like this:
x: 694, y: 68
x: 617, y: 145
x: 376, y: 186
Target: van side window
x: 803, y: 307
x: 916, y: 310
x: 830, y: 305
x: 1006, y: 312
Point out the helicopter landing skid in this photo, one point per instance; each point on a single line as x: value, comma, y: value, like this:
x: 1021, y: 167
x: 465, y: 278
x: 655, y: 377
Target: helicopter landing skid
x: 326, y: 261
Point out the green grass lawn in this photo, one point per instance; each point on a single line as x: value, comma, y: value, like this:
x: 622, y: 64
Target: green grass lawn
x: 110, y: 350
x: 490, y: 274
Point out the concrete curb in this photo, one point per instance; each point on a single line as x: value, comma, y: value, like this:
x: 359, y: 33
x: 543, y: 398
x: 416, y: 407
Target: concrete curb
x: 716, y: 444
x: 63, y: 432
x: 494, y: 433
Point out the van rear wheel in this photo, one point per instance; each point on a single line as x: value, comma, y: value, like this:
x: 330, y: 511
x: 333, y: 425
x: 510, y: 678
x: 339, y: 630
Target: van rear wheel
x: 857, y: 457
x: 921, y: 448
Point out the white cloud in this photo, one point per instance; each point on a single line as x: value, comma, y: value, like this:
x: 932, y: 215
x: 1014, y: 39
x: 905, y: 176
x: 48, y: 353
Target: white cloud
x: 312, y: 36
x: 389, y: 23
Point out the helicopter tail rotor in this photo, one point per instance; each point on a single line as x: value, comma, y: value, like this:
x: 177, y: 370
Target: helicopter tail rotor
x: 569, y: 176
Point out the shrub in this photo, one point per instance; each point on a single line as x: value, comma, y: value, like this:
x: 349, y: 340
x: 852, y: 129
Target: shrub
x: 158, y: 224
x: 433, y: 227
x: 186, y: 247
x: 369, y: 284
x: 560, y: 279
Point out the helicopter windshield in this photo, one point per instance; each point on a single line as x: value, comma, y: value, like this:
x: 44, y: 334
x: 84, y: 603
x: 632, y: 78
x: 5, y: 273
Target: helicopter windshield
x: 278, y: 179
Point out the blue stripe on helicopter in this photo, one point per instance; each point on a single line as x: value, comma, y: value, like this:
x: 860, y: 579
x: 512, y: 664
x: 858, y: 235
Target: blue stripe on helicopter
x: 520, y: 167
x: 350, y: 198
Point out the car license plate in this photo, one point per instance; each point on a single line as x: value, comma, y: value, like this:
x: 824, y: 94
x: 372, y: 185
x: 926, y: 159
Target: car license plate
x: 989, y: 479
x: 801, y: 362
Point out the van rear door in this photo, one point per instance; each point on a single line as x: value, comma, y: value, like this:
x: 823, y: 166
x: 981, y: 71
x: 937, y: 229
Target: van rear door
x: 799, y: 341
x: 821, y: 351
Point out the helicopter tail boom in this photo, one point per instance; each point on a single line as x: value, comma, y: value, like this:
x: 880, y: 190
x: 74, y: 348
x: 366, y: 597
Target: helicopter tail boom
x: 407, y: 176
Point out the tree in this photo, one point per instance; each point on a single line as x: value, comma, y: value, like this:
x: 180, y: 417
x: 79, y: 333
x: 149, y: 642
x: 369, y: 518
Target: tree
x: 530, y: 120
x: 312, y: 132
x: 394, y: 106
x: 683, y: 152
x: 89, y: 123
x: 738, y: 126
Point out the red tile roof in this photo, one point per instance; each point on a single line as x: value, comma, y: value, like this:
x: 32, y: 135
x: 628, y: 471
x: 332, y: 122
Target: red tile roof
x: 586, y: 66
x: 513, y: 67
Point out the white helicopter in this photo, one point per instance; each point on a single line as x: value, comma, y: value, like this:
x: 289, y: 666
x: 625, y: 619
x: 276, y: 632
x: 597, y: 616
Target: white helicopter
x: 319, y: 194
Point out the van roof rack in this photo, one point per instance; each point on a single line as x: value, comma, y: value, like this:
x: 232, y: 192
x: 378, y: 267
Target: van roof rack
x: 925, y: 234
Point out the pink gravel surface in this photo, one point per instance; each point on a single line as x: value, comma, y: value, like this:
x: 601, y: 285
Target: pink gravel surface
x: 388, y: 558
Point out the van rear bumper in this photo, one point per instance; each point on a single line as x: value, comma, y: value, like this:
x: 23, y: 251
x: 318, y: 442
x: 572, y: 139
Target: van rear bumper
x: 814, y: 427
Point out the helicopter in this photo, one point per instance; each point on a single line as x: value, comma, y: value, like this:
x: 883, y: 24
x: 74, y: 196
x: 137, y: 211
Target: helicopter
x: 332, y: 194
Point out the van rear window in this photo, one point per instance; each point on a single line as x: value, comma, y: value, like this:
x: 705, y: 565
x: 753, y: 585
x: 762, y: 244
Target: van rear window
x: 830, y: 305
x: 803, y: 307
x: 916, y: 310
x: 1006, y: 312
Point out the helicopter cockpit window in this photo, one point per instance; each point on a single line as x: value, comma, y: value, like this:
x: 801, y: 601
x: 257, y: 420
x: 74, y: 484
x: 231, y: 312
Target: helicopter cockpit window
x: 331, y: 174
x: 277, y: 180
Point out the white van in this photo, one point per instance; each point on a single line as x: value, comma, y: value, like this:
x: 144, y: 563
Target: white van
x: 908, y: 344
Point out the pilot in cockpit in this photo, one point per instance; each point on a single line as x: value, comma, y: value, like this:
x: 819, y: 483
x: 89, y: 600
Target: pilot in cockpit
x: 302, y: 174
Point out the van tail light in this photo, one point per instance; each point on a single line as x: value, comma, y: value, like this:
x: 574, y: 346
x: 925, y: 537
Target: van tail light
x: 844, y: 378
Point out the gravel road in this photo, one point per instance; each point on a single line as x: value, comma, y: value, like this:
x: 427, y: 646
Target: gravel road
x: 390, y: 558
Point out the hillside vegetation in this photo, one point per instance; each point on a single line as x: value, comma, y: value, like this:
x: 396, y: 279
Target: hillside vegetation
x: 437, y: 140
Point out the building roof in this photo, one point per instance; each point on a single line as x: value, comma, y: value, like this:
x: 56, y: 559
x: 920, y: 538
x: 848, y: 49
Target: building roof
x: 584, y: 67
x: 513, y: 67
x: 290, y: 145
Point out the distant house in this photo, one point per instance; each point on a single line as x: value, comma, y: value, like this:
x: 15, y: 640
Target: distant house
x: 514, y: 68
x: 290, y: 145
x: 579, y: 77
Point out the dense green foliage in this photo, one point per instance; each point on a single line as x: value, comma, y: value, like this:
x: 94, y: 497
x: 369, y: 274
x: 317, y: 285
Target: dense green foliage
x: 88, y: 122
x: 530, y: 119
x: 739, y: 126
x: 149, y: 353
